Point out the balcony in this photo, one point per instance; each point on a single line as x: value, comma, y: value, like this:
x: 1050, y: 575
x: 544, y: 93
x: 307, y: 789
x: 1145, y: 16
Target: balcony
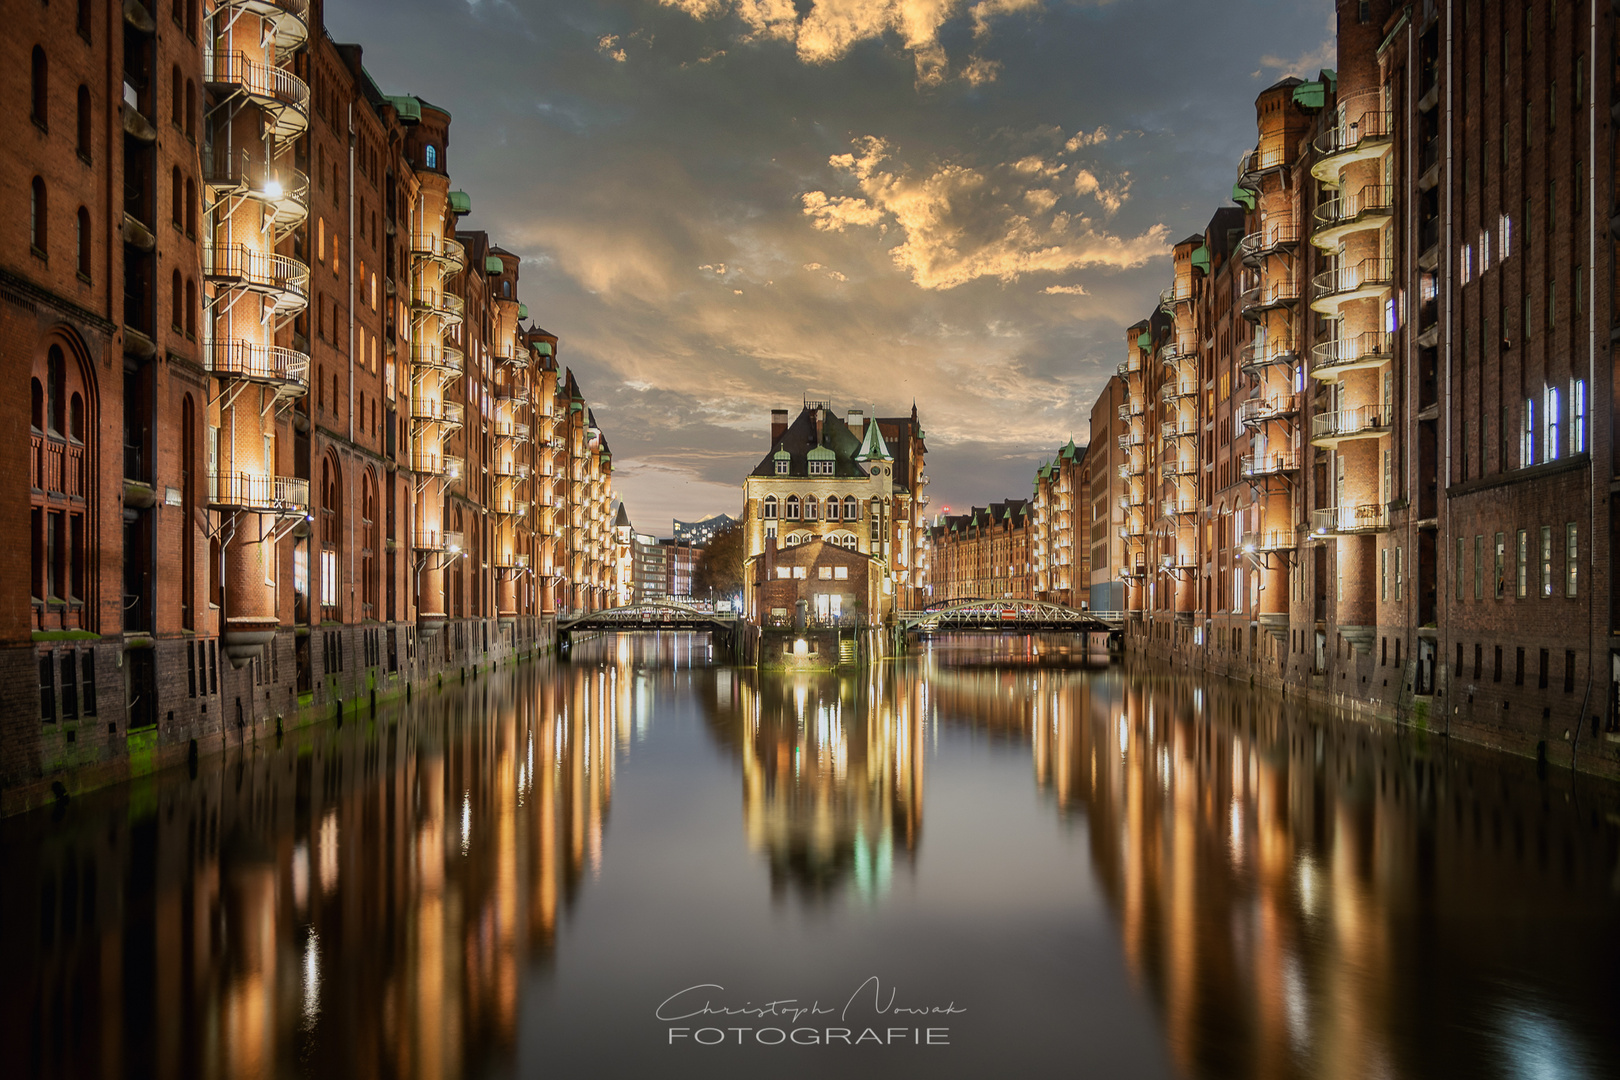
x: 1363, y: 132
x: 1268, y: 540
x: 512, y: 395
x: 510, y: 470
x: 1257, y: 163
x: 1176, y: 389
x: 1272, y: 239
x: 1257, y: 466
x: 283, y: 279
x: 433, y: 356
x: 1125, y: 471
x: 1179, y: 506
x: 1349, y: 520
x: 511, y: 560
x: 281, y: 189
x: 510, y: 505
x: 428, y: 300
x: 513, y: 357
x: 1178, y: 469
x: 288, y: 19
x: 1262, y: 354
x: 283, y: 96
x: 1340, y: 217
x: 438, y: 540
x: 1178, y: 429
x: 448, y: 253
x: 1268, y: 296
x: 1174, y: 296
x: 1261, y: 410
x: 431, y: 461
x: 447, y: 414
x: 1332, y: 359
x: 1367, y: 279
x: 256, y: 493
x: 271, y: 365
x: 1131, y: 366
x: 1366, y: 422
x: 507, y: 429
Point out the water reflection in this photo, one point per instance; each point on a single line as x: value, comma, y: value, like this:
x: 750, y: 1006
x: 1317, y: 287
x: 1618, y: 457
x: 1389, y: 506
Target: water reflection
x: 1288, y: 894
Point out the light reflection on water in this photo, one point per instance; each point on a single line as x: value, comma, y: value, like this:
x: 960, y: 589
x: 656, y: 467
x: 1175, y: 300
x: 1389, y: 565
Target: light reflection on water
x: 1123, y: 873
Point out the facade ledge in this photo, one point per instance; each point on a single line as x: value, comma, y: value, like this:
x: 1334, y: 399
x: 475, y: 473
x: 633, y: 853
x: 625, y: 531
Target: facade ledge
x: 1573, y: 463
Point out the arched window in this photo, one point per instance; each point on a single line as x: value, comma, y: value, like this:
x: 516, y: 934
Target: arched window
x: 188, y: 504
x: 84, y: 243
x: 832, y: 508
x: 191, y: 207
x: 37, y: 216
x: 330, y: 530
x: 177, y: 96
x: 41, y: 89
x: 76, y: 417
x: 852, y: 509
x: 83, y: 21
x: 506, y: 288
x: 791, y: 509
x: 811, y: 508
x: 370, y: 544
x: 191, y: 110
x: 191, y: 309
x: 36, y: 418
x: 768, y: 508
x: 84, y: 122
x: 62, y: 510
x: 177, y: 302
x: 432, y: 156
x: 177, y: 202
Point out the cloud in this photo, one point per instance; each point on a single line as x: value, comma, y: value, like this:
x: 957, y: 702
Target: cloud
x: 1306, y: 65
x: 1083, y: 138
x: 1065, y: 290
x: 608, y: 45
x: 1109, y: 196
x: 959, y: 222
x: 825, y: 31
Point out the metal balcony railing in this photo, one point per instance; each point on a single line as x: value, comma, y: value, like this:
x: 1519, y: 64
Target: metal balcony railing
x: 511, y: 470
x: 1268, y: 540
x: 1367, y: 420
x: 1259, y: 410
x: 1272, y: 237
x: 1264, y: 353
x: 257, y: 492
x: 1130, y: 366
x: 1368, y: 274
x: 1175, y: 389
x: 1179, y: 506
x: 1361, y: 121
x: 1179, y: 293
x: 1269, y: 294
x: 275, y: 89
x: 1270, y: 463
x: 239, y: 266
x: 1372, y: 200
x: 234, y: 358
x: 507, y: 429
x: 1356, y: 518
x: 1256, y: 163
x: 289, y: 19
x: 432, y: 354
x: 1364, y: 350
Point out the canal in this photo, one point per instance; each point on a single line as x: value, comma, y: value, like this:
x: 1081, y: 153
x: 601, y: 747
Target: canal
x: 974, y: 862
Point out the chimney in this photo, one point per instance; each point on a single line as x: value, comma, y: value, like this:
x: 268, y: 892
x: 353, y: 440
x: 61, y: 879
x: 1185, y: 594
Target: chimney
x: 857, y: 422
x: 779, y: 424
x: 821, y: 419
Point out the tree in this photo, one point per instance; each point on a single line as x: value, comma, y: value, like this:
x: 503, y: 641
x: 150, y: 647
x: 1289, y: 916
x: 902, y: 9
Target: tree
x: 721, y: 568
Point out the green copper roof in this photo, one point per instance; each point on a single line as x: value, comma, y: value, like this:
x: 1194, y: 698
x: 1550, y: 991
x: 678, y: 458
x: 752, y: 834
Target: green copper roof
x: 872, y: 446
x: 409, y: 109
x: 1312, y: 95
x: 493, y: 264
x: 460, y: 202
x: 523, y: 311
x: 1069, y: 451
x: 1145, y: 340
x: 1241, y: 194
x: 1200, y: 258
x: 781, y: 455
x: 821, y: 453
x: 541, y: 347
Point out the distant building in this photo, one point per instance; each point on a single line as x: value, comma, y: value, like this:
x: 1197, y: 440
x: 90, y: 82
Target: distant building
x: 983, y: 555
x: 649, y: 573
x: 681, y: 559
x: 1060, y: 541
x: 699, y: 533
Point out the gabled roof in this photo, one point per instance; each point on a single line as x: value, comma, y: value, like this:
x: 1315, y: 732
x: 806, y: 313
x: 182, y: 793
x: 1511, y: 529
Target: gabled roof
x: 800, y: 439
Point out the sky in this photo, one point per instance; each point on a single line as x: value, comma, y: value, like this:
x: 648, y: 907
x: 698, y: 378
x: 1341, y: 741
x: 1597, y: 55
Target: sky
x: 727, y: 206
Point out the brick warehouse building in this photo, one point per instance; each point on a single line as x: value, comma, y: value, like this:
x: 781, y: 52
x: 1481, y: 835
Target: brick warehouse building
x: 345, y: 460
x: 985, y: 554
x: 1394, y: 361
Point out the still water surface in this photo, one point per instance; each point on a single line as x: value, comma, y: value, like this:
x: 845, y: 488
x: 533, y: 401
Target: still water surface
x: 1086, y: 870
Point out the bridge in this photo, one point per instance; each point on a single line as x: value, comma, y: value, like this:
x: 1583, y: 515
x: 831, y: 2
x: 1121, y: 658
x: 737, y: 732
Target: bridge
x: 1009, y: 617
x: 651, y: 615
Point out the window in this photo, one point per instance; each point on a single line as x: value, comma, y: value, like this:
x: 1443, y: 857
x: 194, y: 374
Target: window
x: 791, y: 508
x: 84, y: 243
x: 1399, y: 581
x: 432, y: 156
x: 799, y: 573
x: 782, y: 466
x: 1577, y: 416
x: 191, y: 309
x: 176, y: 302
x: 177, y: 97
x: 1554, y: 413
x: 852, y: 509
x: 82, y: 21
x: 191, y: 207
x: 811, y: 508
x: 37, y: 217
x: 191, y: 110
x: 768, y: 508
x: 784, y: 572
x: 824, y: 573
x: 1479, y: 567
x: 1383, y: 574
x: 177, y: 201
x: 1522, y: 587
x: 1571, y: 559
x: 1541, y: 670
x: 40, y: 90
x: 1527, y: 438
x: 1546, y: 560
x: 832, y: 508
x: 84, y: 122
x: 1501, y: 565
x: 1458, y: 568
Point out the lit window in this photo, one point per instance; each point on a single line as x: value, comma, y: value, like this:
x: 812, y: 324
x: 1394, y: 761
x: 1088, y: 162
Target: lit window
x: 1571, y: 559
x: 768, y: 508
x: 799, y: 573
x: 824, y: 573
x: 841, y: 573
x: 1527, y: 440
x: 784, y: 572
x: 1577, y: 416
x: 1553, y: 416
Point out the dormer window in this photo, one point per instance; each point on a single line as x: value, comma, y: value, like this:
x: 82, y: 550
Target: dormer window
x: 781, y: 466
x: 821, y: 468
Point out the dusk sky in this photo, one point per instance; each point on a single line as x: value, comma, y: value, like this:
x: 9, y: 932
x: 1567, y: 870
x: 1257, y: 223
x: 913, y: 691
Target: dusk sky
x: 725, y: 205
